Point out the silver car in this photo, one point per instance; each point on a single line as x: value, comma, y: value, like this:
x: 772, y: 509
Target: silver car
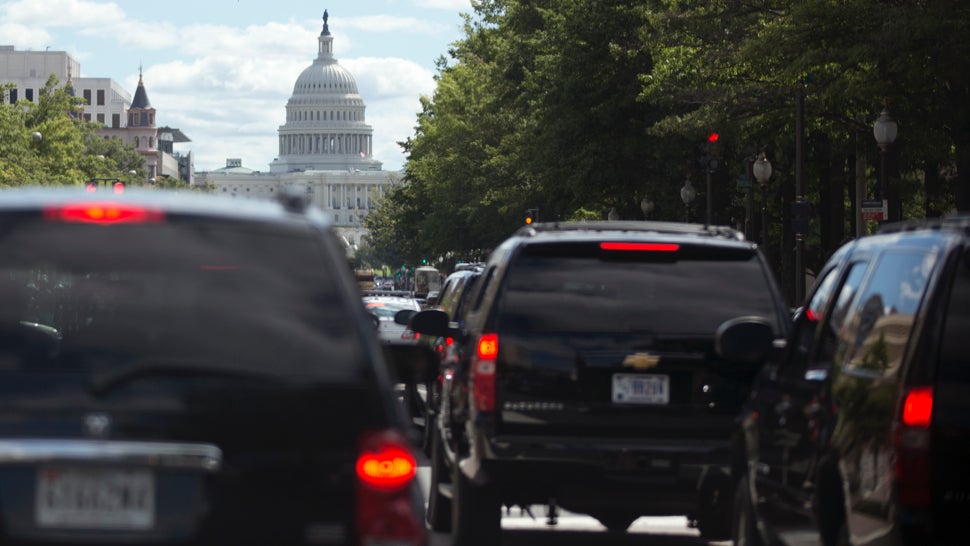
x: 384, y: 306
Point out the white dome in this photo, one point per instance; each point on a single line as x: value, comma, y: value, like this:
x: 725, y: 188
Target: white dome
x: 325, y: 77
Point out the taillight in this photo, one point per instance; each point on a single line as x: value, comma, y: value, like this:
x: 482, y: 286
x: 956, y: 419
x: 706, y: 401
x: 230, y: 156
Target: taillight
x: 104, y: 213
x: 385, y: 508
x: 483, y: 372
x: 410, y: 335
x: 911, y: 440
x: 918, y: 407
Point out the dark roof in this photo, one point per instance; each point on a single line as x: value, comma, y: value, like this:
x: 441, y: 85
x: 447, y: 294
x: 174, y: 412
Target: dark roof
x: 177, y: 134
x: 141, y: 97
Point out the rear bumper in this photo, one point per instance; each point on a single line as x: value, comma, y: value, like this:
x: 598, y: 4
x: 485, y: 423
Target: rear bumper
x: 588, y: 474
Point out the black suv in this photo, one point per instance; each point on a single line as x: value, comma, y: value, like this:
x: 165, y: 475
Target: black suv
x: 426, y: 400
x: 181, y: 368
x: 862, y: 430
x: 592, y: 381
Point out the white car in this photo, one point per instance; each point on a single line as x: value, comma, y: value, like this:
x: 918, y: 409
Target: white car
x: 384, y: 307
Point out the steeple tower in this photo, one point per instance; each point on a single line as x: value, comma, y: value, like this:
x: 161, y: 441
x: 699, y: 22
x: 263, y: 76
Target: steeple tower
x: 141, y: 97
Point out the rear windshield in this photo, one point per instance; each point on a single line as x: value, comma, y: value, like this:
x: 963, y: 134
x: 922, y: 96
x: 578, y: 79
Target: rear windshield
x: 579, y: 288
x: 76, y: 296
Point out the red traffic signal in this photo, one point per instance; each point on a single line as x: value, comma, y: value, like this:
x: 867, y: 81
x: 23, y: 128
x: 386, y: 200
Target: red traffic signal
x: 118, y: 187
x: 712, y: 138
x: 91, y: 186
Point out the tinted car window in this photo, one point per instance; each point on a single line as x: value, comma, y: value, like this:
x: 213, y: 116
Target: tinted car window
x: 105, y: 300
x: 837, y: 314
x: 568, y: 288
x: 885, y: 311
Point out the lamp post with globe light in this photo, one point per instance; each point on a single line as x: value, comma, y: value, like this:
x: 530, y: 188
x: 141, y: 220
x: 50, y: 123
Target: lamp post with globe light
x: 687, y: 195
x: 761, y: 169
x: 884, y: 130
x: 646, y: 205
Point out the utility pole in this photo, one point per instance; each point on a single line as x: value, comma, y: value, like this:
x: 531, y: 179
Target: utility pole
x: 800, y: 209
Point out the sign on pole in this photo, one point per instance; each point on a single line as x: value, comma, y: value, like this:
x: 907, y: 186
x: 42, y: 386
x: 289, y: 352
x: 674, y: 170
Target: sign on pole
x: 874, y: 209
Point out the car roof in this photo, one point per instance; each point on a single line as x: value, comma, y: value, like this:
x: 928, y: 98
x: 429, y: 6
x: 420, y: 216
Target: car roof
x: 182, y: 203
x: 630, y: 230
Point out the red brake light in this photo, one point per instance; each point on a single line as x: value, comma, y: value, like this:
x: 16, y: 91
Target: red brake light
x: 483, y: 373
x: 918, y: 407
x: 488, y: 347
x: 641, y: 247
x: 385, y: 510
x: 385, y: 463
x: 104, y: 213
x: 911, y: 440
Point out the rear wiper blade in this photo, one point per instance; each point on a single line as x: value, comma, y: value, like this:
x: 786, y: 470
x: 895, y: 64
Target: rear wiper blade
x: 108, y: 380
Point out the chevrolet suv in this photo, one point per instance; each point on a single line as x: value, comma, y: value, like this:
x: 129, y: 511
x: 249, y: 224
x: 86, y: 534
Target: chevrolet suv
x: 861, y: 431
x: 592, y: 381
x: 178, y: 368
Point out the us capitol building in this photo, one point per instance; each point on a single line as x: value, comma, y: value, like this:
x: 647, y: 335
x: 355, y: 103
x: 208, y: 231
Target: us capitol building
x: 325, y: 149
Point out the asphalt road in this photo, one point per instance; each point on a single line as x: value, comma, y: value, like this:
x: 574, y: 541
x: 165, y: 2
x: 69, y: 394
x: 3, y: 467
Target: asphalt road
x: 521, y: 528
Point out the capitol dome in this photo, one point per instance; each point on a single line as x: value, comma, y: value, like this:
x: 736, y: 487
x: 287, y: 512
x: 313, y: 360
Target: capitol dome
x: 324, y: 77
x: 325, y: 126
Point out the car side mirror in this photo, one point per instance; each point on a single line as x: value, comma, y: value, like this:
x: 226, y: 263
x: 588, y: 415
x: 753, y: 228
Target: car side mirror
x: 403, y: 316
x: 431, y: 322
x: 747, y: 340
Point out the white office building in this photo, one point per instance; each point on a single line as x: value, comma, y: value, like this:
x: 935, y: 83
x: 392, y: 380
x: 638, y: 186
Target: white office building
x: 105, y: 100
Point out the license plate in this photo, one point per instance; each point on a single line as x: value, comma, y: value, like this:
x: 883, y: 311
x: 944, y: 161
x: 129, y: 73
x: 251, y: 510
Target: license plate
x: 640, y: 389
x: 93, y: 498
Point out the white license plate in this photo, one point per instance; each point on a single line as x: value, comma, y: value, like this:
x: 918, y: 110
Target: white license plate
x: 640, y: 389
x: 94, y: 498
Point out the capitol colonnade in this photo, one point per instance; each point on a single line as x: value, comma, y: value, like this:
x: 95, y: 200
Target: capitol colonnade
x: 326, y: 144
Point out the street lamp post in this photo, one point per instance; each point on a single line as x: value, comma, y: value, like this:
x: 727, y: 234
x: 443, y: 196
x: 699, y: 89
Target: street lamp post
x: 761, y: 169
x: 687, y: 195
x: 884, y: 129
x: 646, y: 205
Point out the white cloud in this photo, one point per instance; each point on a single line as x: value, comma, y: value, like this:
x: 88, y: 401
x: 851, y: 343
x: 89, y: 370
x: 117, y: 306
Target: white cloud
x: 63, y: 13
x: 24, y: 37
x: 388, y: 23
x: 457, y: 5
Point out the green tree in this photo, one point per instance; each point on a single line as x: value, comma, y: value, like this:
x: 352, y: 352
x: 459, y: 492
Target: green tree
x: 48, y: 142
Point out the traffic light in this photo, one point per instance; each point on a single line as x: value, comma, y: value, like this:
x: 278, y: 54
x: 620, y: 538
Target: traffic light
x: 531, y: 215
x: 711, y: 159
x: 91, y: 186
x: 424, y: 261
x: 118, y: 187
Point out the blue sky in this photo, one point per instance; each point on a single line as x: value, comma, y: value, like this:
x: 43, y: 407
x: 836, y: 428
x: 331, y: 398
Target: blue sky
x: 222, y: 70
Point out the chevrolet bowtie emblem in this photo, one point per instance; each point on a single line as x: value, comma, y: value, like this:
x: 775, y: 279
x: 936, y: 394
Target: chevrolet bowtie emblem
x: 641, y: 361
